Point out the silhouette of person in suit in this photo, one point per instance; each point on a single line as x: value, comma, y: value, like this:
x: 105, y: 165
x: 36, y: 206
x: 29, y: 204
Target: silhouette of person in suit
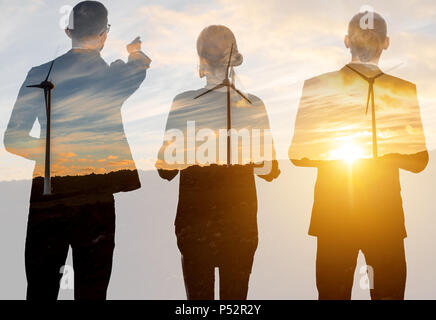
x: 358, y: 126
x: 216, y: 223
x: 90, y: 156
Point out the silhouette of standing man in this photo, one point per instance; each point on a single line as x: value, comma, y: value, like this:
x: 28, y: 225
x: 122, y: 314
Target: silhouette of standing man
x: 90, y: 157
x: 358, y: 126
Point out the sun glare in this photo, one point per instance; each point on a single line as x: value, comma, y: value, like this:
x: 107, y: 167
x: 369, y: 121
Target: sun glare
x: 349, y: 152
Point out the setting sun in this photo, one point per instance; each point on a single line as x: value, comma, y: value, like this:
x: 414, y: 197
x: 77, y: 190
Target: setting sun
x: 349, y: 152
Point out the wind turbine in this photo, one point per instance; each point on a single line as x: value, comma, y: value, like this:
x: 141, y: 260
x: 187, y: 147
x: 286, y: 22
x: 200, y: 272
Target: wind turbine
x: 371, y: 81
x: 229, y: 85
x: 47, y: 86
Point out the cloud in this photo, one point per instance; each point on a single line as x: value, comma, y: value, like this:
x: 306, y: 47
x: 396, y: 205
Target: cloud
x: 67, y: 154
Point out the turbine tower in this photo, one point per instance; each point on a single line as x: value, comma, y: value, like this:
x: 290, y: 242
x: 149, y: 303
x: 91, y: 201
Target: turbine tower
x: 229, y: 85
x: 47, y: 86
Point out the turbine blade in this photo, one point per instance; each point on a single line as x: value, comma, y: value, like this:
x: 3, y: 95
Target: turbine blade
x: 210, y: 90
x: 230, y: 60
x: 34, y: 86
x: 367, y: 100
x: 379, y: 75
x: 49, y: 70
x: 359, y: 73
x: 395, y: 67
x: 241, y: 94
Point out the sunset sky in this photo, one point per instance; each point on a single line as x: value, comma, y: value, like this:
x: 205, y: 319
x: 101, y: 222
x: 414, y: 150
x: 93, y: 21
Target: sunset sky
x: 283, y: 43
x: 332, y: 123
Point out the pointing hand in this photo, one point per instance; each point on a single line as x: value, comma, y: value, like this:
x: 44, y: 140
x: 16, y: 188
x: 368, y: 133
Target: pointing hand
x: 134, y: 46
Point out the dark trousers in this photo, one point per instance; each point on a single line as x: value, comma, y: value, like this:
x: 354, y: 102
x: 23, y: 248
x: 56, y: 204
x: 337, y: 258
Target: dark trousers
x: 199, y: 276
x: 89, y: 228
x: 336, y: 263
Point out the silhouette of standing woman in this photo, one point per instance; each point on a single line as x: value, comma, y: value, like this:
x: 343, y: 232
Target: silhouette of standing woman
x: 216, y: 223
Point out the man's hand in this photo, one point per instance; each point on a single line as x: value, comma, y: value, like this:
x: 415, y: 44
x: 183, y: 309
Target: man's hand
x: 274, y: 171
x: 135, y: 46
